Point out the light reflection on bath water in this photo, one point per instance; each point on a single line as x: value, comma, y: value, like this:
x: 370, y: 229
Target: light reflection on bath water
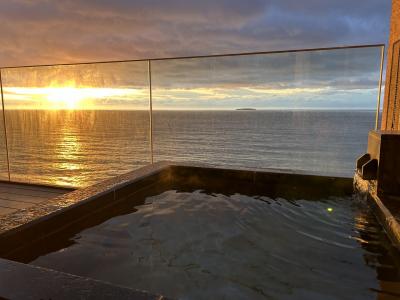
x: 197, y: 245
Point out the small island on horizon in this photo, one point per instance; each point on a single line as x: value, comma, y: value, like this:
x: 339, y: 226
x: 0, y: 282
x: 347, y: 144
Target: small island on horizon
x: 245, y: 108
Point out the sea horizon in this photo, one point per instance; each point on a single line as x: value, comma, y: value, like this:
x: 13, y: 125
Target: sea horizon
x: 197, y: 109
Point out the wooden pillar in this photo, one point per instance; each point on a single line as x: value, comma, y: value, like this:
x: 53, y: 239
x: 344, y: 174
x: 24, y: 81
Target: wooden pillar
x: 391, y: 106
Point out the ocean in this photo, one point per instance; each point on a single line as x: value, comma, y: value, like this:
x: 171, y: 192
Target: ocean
x: 79, y: 147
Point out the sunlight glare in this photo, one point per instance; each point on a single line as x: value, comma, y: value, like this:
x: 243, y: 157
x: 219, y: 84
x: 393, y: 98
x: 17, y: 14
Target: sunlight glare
x: 68, y: 96
x: 64, y: 97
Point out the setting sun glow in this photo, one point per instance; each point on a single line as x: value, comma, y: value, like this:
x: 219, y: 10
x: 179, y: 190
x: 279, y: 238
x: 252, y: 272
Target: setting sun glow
x: 70, y: 97
x: 64, y: 97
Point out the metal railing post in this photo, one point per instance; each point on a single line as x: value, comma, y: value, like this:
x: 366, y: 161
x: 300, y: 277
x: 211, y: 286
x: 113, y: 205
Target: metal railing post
x: 378, y: 105
x: 4, y: 125
x: 151, y: 112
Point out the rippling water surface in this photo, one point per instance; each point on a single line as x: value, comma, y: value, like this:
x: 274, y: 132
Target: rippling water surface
x: 198, y: 245
x: 78, y: 148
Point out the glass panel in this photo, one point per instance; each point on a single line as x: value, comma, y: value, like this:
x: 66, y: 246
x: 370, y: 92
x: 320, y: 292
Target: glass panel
x: 3, y: 150
x: 78, y: 124
x: 307, y: 111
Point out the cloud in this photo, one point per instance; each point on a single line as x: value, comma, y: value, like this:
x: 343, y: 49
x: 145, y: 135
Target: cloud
x: 343, y: 69
x: 43, y: 31
x: 46, y: 32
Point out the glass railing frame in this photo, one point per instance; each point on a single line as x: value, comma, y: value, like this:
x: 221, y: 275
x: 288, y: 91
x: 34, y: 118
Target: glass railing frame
x: 150, y: 92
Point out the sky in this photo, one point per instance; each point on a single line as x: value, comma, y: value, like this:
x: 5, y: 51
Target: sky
x: 46, y: 32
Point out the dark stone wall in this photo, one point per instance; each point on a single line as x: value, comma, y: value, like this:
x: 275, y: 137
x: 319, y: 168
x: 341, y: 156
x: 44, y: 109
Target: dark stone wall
x: 391, y: 108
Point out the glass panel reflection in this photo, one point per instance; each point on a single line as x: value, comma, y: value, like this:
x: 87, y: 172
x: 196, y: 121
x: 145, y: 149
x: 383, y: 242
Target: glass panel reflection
x: 77, y: 124
x: 308, y: 111
x: 3, y: 148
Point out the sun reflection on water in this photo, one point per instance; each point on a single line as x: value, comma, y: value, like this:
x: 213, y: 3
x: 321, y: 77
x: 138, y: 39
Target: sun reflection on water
x: 68, y: 151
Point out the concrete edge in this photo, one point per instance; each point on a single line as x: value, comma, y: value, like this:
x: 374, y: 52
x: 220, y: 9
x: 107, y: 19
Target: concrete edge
x: 39, y: 185
x: 366, y: 191
x: 257, y: 170
x: 58, y: 205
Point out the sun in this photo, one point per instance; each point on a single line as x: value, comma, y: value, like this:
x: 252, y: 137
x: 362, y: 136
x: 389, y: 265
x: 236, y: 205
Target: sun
x: 64, y: 97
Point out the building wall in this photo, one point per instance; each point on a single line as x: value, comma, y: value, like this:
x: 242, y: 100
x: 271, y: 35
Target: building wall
x: 391, y: 110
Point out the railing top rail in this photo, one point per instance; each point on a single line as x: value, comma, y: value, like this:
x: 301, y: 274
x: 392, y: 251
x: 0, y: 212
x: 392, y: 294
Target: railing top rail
x: 199, y: 56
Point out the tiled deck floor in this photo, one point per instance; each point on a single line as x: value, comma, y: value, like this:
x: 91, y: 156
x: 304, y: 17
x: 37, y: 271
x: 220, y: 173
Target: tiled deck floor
x: 16, y: 196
